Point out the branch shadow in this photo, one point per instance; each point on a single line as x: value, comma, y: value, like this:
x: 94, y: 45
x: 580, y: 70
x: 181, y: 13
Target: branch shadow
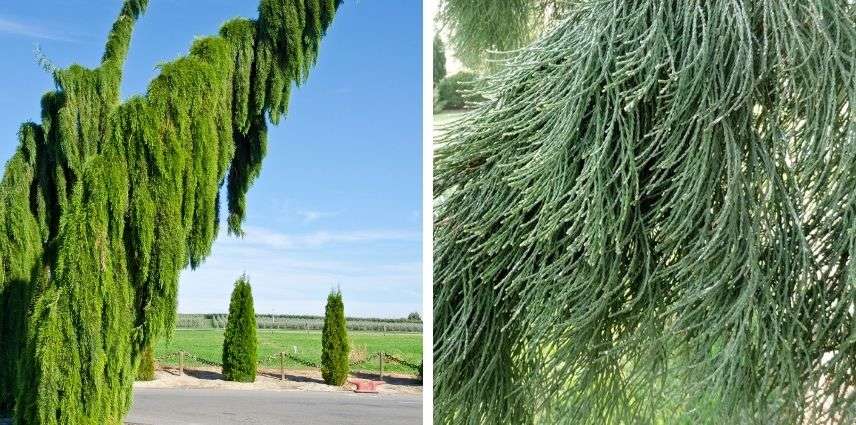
x: 392, y: 380
x: 292, y: 378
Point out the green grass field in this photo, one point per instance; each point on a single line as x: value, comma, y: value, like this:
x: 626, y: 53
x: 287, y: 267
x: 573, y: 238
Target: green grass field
x: 207, y: 344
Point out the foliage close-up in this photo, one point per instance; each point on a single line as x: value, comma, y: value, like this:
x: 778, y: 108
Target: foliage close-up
x: 106, y: 201
x: 335, y: 345
x: 652, y: 220
x: 240, y: 343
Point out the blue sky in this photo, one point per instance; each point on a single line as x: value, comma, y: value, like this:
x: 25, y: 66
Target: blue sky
x: 338, y: 201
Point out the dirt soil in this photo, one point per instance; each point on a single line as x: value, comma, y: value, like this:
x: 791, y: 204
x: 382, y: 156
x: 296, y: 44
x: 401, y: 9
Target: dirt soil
x: 295, y: 380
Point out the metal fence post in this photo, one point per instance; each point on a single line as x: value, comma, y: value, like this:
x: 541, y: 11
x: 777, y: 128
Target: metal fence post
x: 282, y: 366
x: 380, y: 356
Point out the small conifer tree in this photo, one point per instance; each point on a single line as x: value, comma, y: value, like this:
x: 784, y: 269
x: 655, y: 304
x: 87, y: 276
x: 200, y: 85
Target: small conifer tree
x: 146, y: 369
x: 240, y: 343
x: 334, y: 341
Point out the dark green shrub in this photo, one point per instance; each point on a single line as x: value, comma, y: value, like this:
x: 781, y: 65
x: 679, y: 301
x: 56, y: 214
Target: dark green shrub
x: 334, y: 341
x: 146, y: 369
x: 455, y: 91
x: 239, y: 342
x: 439, y: 59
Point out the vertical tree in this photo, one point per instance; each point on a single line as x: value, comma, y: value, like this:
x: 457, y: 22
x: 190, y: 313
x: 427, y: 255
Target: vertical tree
x: 239, y: 340
x: 104, y: 203
x: 335, y: 346
x: 146, y: 368
x: 651, y: 220
x: 439, y: 56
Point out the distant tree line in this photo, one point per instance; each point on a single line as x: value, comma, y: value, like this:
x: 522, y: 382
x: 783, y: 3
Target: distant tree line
x: 412, y: 323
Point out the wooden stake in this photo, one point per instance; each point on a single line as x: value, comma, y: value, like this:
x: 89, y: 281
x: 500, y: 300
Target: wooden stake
x: 181, y: 362
x: 282, y: 366
x: 380, y: 356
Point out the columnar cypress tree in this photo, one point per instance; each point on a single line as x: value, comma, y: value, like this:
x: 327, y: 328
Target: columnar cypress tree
x: 653, y: 220
x: 146, y: 368
x: 239, y: 340
x: 104, y: 203
x: 439, y: 56
x: 335, y: 346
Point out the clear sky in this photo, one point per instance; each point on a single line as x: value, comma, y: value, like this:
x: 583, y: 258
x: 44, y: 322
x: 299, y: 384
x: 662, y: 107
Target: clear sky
x: 338, y: 200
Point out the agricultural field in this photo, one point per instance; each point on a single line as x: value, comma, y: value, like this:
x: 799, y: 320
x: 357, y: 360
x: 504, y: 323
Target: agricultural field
x: 206, y: 345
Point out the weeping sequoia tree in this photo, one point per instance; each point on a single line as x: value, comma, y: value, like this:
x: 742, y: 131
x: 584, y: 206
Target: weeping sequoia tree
x: 105, y: 202
x: 653, y: 220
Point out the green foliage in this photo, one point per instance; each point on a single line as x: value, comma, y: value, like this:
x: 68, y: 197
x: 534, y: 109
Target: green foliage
x: 335, y: 346
x: 439, y: 56
x: 104, y: 203
x: 239, y: 342
x: 456, y: 92
x: 652, y: 221
x: 21, y: 247
x: 146, y: 369
x: 414, y: 316
x: 480, y: 27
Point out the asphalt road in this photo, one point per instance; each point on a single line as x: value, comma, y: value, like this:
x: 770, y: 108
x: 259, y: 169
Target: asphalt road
x: 155, y: 406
